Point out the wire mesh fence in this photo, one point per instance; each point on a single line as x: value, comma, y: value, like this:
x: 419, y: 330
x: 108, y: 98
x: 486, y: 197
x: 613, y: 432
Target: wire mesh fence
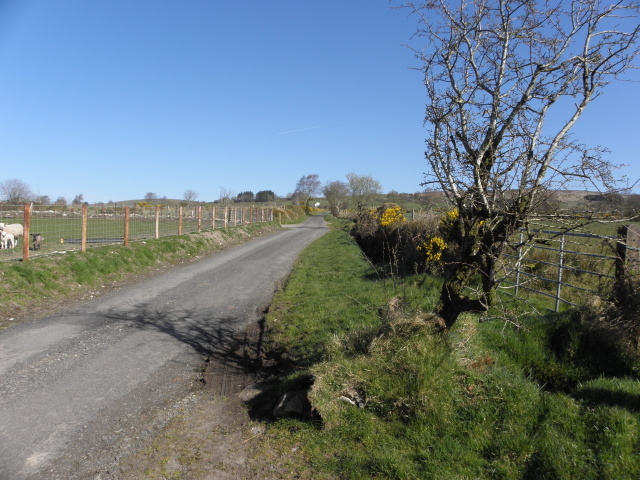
x: 56, y: 229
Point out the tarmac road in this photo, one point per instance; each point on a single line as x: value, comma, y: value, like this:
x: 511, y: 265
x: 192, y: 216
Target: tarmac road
x: 80, y: 389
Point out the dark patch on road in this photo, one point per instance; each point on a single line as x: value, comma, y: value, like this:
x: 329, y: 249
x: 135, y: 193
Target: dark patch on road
x: 235, y: 365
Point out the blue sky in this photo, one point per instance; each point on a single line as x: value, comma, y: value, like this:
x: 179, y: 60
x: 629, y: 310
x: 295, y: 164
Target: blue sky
x: 114, y: 99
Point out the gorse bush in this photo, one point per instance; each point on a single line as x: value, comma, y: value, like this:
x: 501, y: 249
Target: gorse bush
x: 392, y: 215
x: 433, y: 248
x: 390, y: 241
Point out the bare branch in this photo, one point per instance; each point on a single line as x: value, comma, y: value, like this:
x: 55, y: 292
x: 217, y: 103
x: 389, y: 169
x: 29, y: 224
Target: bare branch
x: 496, y: 72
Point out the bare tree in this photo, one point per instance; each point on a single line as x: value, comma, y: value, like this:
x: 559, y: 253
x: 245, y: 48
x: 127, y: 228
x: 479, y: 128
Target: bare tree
x: 362, y: 188
x: 78, y: 199
x: 337, y: 194
x: 150, y: 196
x: 15, y: 191
x: 506, y: 81
x: 226, y: 196
x: 190, y: 196
x: 307, y: 187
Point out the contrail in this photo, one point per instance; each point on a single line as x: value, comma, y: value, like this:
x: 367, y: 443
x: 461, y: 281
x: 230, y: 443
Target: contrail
x: 308, y: 128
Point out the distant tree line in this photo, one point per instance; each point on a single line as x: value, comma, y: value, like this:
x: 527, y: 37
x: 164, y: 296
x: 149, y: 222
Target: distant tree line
x: 262, y: 196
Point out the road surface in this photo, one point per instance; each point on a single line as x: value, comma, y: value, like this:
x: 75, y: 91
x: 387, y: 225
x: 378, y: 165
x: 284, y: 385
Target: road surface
x: 83, y: 387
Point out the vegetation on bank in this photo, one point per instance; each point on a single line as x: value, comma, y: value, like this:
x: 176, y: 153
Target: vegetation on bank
x: 551, y: 396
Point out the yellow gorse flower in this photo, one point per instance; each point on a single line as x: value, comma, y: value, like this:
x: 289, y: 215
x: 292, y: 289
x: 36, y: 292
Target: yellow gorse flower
x: 448, y: 220
x: 433, y: 248
x: 391, y: 216
x: 451, y: 215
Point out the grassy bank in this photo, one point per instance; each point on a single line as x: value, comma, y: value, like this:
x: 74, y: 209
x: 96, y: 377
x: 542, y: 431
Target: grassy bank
x: 396, y: 399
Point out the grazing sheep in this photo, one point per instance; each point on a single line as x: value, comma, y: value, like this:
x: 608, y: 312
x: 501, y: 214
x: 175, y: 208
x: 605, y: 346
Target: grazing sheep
x: 37, y: 239
x: 14, y: 228
x: 7, y: 240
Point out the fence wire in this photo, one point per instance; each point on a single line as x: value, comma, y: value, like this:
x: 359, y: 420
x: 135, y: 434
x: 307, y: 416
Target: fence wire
x: 63, y: 228
x: 562, y: 266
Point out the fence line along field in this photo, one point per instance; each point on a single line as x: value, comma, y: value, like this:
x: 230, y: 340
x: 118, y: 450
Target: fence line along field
x: 566, y: 267
x: 570, y: 268
x: 53, y: 229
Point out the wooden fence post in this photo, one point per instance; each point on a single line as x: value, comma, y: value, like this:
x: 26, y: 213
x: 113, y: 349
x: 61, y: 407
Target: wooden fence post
x: 180, y: 220
x: 25, y: 233
x: 199, y: 218
x: 632, y: 242
x: 157, y: 222
x: 627, y: 261
x: 85, y: 220
x: 213, y: 218
x: 127, y: 212
x: 226, y: 216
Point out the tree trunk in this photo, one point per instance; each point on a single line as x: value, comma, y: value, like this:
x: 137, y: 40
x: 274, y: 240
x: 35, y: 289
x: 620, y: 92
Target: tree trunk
x: 452, y: 301
x: 447, y: 307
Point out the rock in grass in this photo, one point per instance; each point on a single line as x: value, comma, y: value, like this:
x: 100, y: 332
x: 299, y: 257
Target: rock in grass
x: 293, y: 404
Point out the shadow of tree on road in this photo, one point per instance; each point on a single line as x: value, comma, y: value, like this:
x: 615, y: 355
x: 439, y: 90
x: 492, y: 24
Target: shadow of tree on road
x: 232, y: 348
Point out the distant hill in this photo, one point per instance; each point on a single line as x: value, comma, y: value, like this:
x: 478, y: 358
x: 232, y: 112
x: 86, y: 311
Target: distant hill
x: 567, y: 198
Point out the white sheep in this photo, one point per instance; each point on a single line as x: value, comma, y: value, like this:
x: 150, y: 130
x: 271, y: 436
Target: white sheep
x: 15, y: 229
x: 7, y: 240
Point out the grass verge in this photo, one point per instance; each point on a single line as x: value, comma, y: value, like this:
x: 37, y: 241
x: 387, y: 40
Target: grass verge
x: 399, y: 400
